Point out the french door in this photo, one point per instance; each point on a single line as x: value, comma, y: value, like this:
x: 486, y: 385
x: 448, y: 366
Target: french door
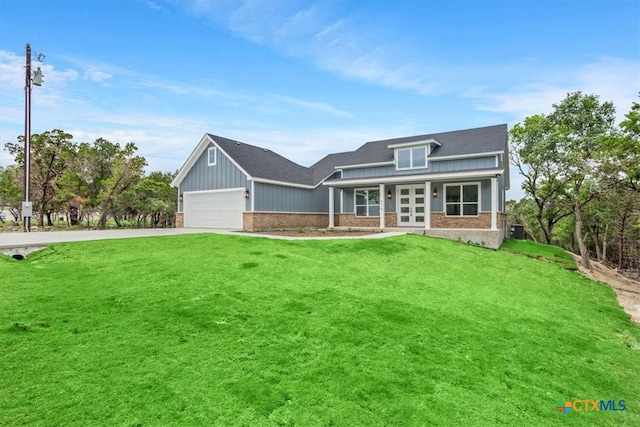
x: 410, y: 205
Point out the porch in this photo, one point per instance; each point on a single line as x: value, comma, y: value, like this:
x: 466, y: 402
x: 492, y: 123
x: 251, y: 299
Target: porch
x: 460, y: 202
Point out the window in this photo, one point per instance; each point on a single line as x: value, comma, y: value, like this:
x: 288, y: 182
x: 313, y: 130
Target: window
x: 411, y: 158
x: 211, y: 156
x: 367, y: 202
x: 462, y: 200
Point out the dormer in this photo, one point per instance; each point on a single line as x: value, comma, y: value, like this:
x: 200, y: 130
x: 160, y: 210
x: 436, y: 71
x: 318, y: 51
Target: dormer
x: 414, y: 154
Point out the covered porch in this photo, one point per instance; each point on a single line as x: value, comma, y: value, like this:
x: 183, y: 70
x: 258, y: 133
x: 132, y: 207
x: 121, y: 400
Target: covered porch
x: 456, y: 201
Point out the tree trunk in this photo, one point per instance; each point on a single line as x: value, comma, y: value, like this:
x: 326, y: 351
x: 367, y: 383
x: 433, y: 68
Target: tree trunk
x: 102, y: 222
x: 596, y: 242
x: 577, y: 209
x: 621, y: 249
x: 604, y: 244
x: 546, y: 231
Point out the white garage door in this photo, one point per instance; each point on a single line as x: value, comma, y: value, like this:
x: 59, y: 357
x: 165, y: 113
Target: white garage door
x: 214, y: 209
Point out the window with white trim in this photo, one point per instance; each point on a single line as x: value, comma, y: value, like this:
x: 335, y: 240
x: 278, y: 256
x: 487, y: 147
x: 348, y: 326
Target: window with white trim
x: 462, y: 199
x: 211, y: 156
x: 411, y: 158
x: 367, y: 202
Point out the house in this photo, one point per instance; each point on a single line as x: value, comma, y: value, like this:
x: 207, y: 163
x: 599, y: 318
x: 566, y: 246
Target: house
x: 449, y: 184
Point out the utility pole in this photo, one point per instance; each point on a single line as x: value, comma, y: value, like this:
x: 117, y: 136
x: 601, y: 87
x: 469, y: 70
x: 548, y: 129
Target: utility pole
x: 27, y: 209
x: 30, y: 80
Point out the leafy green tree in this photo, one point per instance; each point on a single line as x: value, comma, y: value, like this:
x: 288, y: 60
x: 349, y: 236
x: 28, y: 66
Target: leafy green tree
x: 127, y: 170
x: 533, y: 152
x: 49, y: 151
x: 580, y: 127
x: 626, y: 149
x: 11, y: 190
x: 153, y: 198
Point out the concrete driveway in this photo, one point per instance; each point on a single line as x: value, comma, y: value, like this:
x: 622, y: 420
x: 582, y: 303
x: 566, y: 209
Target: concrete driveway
x: 12, y: 240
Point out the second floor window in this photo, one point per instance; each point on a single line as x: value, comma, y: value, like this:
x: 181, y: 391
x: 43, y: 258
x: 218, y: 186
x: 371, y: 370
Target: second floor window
x: 412, y: 158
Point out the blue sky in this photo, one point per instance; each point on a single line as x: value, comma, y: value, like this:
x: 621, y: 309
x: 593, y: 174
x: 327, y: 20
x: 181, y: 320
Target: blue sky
x: 306, y: 78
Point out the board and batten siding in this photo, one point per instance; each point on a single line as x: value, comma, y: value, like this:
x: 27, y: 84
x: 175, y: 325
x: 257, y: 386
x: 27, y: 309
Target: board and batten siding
x: 224, y: 174
x: 434, y: 166
x: 462, y: 164
x: 278, y: 198
x: 202, y: 177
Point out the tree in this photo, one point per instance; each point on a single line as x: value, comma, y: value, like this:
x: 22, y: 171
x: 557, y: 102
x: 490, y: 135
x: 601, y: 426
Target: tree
x: 580, y: 127
x: 11, y: 190
x: 626, y: 149
x: 533, y: 152
x: 49, y: 151
x: 127, y: 170
x: 153, y: 198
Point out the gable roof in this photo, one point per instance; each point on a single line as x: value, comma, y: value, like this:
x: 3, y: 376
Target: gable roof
x: 263, y: 163
x: 488, y: 139
x: 257, y: 162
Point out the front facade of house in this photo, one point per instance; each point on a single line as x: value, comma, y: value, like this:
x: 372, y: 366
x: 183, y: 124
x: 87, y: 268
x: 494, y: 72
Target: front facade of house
x: 449, y: 184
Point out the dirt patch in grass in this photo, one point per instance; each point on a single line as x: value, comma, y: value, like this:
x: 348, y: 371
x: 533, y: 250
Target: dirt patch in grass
x: 627, y: 290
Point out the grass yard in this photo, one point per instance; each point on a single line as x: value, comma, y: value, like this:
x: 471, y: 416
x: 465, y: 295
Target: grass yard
x: 540, y: 251
x: 224, y: 330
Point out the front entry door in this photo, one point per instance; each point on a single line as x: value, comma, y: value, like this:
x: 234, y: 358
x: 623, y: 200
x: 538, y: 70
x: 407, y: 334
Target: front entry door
x: 411, y: 205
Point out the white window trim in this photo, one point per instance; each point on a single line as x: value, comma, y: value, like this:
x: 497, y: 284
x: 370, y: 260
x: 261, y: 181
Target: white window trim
x: 215, y: 150
x: 460, y: 184
x: 410, y: 149
x: 355, y: 206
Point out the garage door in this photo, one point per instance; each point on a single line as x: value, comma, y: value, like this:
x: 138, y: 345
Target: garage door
x: 214, y: 209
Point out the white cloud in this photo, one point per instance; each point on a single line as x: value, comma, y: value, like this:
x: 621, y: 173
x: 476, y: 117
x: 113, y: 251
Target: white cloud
x: 316, y: 106
x: 612, y: 79
x: 96, y: 75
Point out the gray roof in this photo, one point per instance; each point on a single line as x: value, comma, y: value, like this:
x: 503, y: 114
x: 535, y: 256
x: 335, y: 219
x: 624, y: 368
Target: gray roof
x: 264, y: 163
x: 455, y: 143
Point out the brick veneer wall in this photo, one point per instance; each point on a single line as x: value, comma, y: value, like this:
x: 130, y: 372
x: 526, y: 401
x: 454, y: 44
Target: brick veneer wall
x: 351, y: 220
x: 179, y: 219
x: 440, y: 220
x: 254, y: 221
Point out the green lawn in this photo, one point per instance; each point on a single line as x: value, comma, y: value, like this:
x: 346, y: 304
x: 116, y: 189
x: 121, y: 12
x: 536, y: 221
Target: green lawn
x: 225, y: 330
x: 541, y: 251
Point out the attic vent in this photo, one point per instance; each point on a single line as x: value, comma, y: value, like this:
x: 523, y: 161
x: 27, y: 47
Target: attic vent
x: 237, y: 143
x: 265, y: 150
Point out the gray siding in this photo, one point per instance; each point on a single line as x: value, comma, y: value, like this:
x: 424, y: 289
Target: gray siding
x: 379, y: 171
x: 434, y: 167
x: 436, y: 202
x: 277, y: 198
x: 462, y: 164
x: 347, y: 200
x: 223, y: 175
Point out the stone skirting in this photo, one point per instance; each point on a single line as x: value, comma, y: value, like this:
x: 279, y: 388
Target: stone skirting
x: 255, y: 221
x: 179, y: 219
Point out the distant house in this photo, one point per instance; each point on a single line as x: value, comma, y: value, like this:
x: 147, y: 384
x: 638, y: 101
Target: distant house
x: 449, y: 184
